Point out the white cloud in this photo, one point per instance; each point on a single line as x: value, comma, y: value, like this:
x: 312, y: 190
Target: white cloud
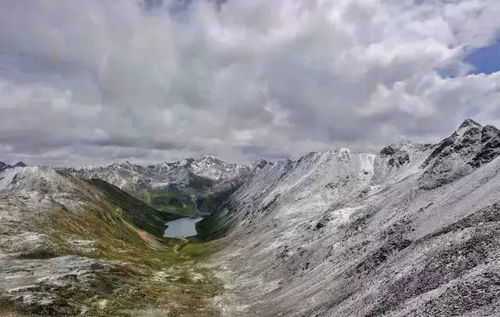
x: 92, y: 81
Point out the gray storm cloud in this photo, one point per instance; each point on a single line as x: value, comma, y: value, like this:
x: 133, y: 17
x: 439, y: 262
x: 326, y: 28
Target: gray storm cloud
x: 89, y: 82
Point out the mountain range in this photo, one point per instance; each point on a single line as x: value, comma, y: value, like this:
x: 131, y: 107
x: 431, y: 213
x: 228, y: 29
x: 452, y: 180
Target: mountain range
x: 194, y: 173
x: 410, y: 231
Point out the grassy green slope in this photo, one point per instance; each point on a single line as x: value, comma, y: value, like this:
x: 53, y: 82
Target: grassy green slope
x: 211, y: 226
x: 169, y: 200
x: 134, y: 210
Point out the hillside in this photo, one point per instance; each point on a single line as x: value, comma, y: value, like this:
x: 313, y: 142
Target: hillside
x: 69, y: 246
x: 412, y: 231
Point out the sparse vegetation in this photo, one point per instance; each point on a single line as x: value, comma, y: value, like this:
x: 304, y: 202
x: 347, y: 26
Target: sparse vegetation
x: 153, y: 274
x: 170, y: 200
x: 135, y: 210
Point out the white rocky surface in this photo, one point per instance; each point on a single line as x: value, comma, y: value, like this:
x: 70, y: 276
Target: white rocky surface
x: 412, y: 232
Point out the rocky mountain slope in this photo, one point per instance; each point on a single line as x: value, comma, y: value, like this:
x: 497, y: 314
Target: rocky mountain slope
x: 413, y: 231
x: 70, y: 246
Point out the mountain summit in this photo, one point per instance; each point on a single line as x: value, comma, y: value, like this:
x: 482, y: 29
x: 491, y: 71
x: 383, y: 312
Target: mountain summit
x: 469, y: 123
x: 471, y: 146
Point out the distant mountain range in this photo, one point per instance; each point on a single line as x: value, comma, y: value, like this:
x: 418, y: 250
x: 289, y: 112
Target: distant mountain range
x: 410, y: 231
x: 194, y: 173
x: 4, y: 166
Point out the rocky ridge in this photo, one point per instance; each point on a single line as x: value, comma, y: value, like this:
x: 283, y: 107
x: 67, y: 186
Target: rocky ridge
x: 195, y: 173
x: 412, y: 231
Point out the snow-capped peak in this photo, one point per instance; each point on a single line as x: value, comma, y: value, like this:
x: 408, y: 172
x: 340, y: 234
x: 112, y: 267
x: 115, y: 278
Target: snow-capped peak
x: 4, y: 166
x: 469, y: 147
x: 126, y: 175
x: 20, y: 164
x: 469, y: 126
x: 469, y: 123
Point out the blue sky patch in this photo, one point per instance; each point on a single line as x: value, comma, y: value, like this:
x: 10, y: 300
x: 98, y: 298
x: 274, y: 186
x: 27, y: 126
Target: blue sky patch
x: 471, y: 112
x: 485, y: 59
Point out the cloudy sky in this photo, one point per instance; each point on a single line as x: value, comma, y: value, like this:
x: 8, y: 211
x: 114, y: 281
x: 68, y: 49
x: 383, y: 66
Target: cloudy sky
x: 93, y: 81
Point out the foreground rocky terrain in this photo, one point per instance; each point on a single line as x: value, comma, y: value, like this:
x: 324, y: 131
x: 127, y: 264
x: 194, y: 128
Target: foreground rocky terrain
x: 410, y: 231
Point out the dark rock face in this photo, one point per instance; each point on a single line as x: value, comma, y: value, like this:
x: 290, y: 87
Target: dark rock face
x: 469, y: 123
x: 398, y: 156
x: 468, y: 148
x: 261, y: 164
x: 461, y: 142
x: 20, y: 164
x: 389, y: 150
x: 490, y: 139
x: 475, y: 293
x: 3, y: 166
x: 401, y: 159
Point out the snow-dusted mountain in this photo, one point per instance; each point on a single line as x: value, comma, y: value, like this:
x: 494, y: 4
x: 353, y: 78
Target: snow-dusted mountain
x: 468, y: 148
x: 194, y: 173
x: 412, y: 231
x: 191, y: 187
x: 4, y: 166
x: 215, y: 169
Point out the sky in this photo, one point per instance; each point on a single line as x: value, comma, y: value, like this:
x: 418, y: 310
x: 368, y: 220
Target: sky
x: 95, y: 81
